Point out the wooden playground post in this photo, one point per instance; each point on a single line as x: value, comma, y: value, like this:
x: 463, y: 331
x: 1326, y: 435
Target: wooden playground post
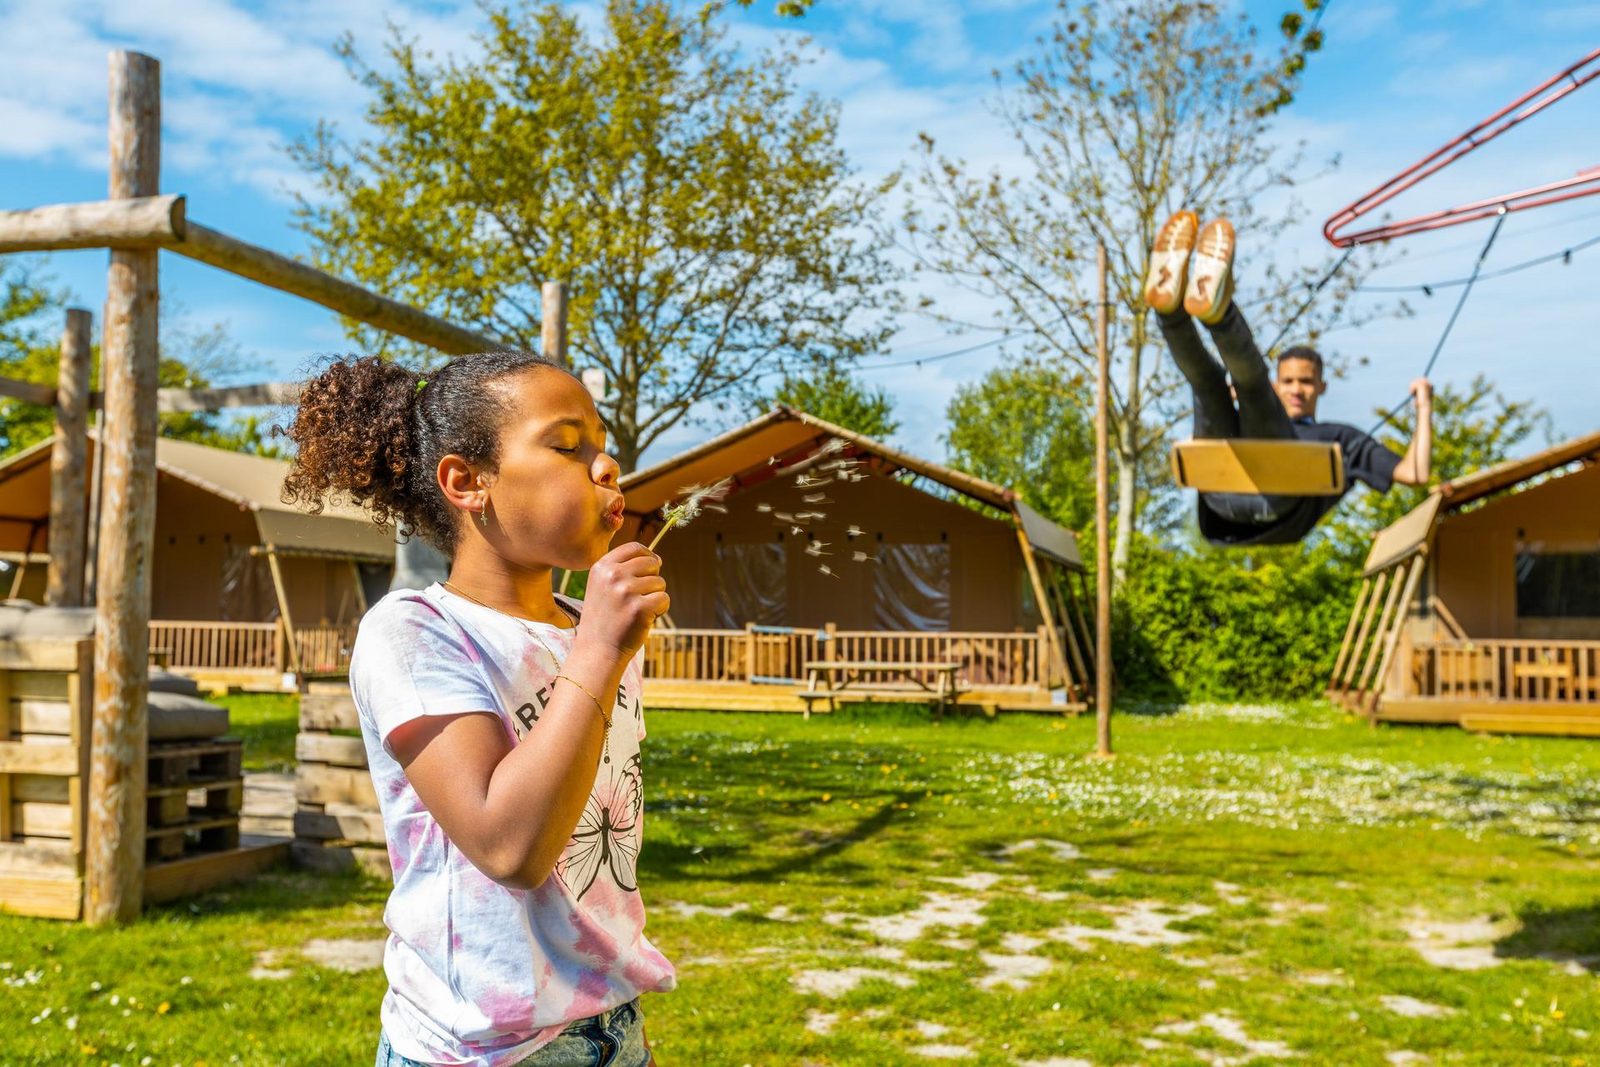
x: 553, y: 322
x: 69, y: 458
x: 114, y: 865
x: 1102, y: 520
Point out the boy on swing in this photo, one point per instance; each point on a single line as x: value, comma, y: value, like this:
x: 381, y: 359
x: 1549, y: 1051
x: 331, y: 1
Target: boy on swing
x: 1281, y: 409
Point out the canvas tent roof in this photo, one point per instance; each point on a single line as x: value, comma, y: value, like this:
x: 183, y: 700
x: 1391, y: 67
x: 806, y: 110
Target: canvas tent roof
x: 254, y: 483
x: 785, y: 432
x: 1408, y: 534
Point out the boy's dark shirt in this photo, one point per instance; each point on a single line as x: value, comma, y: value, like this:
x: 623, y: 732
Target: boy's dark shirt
x: 1365, y: 460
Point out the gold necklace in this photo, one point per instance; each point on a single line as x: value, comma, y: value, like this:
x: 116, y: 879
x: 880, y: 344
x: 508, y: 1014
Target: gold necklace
x: 527, y: 624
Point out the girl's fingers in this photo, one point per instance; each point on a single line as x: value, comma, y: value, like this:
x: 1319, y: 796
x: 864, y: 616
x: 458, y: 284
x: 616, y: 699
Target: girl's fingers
x: 657, y: 604
x: 650, y: 583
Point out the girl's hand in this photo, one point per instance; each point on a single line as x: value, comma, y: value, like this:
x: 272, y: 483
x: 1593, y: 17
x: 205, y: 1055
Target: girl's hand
x: 625, y: 595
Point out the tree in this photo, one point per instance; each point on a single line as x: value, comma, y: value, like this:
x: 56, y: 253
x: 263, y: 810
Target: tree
x: 1025, y: 427
x: 1126, y: 113
x: 1473, y: 428
x: 699, y: 208
x: 836, y: 396
x: 191, y: 358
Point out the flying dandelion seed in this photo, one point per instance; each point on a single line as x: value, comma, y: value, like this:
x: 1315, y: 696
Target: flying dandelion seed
x: 854, y: 531
x: 783, y: 516
x: 825, y: 569
x: 815, y: 548
x: 763, y: 508
x: 716, y: 507
x: 810, y: 516
x: 688, y: 509
x: 816, y: 498
x: 810, y: 481
x: 833, y: 445
x: 796, y: 531
x: 862, y: 557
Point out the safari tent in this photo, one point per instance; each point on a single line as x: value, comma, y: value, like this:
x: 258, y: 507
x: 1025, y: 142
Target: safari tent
x: 244, y: 587
x: 833, y: 545
x: 1481, y: 607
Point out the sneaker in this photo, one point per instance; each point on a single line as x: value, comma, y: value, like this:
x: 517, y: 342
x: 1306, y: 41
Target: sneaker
x: 1169, y: 262
x: 1211, y: 281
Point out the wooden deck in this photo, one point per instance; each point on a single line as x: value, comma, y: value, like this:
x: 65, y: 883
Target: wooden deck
x: 1557, y: 718
x: 676, y: 694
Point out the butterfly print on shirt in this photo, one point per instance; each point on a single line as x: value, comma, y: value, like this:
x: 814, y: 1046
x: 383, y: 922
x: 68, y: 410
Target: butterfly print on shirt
x: 607, y: 835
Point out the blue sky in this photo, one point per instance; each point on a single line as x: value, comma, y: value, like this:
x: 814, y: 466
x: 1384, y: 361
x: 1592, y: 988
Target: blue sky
x: 1395, y: 81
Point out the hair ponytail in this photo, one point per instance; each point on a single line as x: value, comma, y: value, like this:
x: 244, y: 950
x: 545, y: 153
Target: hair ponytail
x: 374, y: 432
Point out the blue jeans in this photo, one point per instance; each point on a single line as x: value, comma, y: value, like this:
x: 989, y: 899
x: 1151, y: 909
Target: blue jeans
x: 613, y: 1038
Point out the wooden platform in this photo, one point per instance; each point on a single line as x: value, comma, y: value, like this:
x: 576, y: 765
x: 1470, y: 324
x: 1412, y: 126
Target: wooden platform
x: 1497, y: 717
x: 672, y: 695
x: 201, y: 871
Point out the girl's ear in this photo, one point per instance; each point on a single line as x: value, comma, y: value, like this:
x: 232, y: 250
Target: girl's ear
x: 463, y: 485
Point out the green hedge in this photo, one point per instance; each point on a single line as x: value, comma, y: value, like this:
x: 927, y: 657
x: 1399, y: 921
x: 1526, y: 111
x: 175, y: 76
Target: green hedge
x: 1215, y: 625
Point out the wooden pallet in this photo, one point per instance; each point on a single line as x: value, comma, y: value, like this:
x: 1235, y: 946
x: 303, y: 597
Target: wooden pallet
x: 192, y: 803
x: 337, y: 824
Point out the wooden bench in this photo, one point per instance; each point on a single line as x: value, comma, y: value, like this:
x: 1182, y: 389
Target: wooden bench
x: 841, y: 680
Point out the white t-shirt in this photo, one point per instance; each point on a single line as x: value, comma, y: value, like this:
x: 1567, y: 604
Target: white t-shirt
x: 478, y: 973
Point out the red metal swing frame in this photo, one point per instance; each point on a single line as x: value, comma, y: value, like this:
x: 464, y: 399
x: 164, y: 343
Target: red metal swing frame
x: 1541, y: 96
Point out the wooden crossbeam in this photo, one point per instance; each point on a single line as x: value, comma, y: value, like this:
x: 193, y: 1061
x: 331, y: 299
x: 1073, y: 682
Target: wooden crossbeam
x: 170, y: 400
x: 280, y: 272
x: 139, y: 222
x: 161, y: 222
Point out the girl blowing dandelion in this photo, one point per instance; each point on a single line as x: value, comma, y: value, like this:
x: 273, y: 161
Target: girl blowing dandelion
x: 502, y: 723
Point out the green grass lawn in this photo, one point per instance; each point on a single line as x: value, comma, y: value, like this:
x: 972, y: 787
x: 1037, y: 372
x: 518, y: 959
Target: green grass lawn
x: 1241, y: 885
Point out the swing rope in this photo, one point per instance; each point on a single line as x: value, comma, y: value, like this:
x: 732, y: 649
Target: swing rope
x: 1466, y: 291
x: 1310, y: 299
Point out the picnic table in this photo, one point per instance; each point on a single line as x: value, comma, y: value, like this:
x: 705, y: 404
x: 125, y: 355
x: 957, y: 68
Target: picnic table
x: 834, y: 680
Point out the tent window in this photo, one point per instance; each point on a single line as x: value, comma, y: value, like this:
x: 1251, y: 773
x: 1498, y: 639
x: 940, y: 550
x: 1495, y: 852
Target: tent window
x: 752, y: 585
x: 247, y: 593
x: 911, y: 587
x: 1558, y: 585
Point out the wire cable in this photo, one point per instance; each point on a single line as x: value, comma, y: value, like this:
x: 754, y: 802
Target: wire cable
x: 1427, y: 288
x: 1388, y: 416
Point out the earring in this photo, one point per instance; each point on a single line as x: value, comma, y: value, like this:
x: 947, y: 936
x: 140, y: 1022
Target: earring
x: 483, y: 513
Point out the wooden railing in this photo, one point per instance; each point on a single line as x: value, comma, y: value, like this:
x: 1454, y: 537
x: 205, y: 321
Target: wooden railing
x: 227, y: 646
x: 778, y: 654
x: 325, y: 649
x: 217, y: 645
x: 1553, y: 671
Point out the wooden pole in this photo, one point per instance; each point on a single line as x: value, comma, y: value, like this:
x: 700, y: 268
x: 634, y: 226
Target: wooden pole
x: 1397, y: 627
x: 283, y: 607
x: 1080, y: 666
x: 69, y: 466
x: 1380, y: 635
x: 141, y: 222
x: 1102, y: 519
x: 1349, y: 633
x: 114, y: 867
x: 553, y: 324
x: 1046, y: 612
x: 1347, y: 681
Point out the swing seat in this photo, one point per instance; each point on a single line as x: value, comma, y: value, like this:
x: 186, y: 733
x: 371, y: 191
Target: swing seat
x: 1260, y: 468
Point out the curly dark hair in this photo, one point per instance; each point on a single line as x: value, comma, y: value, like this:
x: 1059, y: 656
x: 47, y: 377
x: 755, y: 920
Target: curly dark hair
x: 375, y: 431
x: 1305, y: 352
